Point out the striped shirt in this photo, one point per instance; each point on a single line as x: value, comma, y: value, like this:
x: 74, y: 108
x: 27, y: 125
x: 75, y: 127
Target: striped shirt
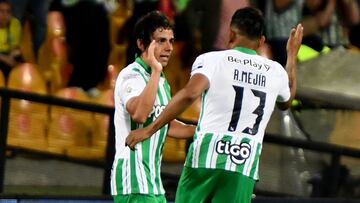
x: 236, y: 108
x: 279, y: 24
x: 137, y: 172
x: 334, y: 34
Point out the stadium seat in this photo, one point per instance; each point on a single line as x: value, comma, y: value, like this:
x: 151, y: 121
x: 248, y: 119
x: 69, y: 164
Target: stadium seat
x: 71, y: 129
x: 346, y: 129
x: 174, y: 150
x: 2, y: 79
x: 53, y: 59
x: 101, y: 122
x: 26, y: 45
x: 117, y: 57
x: 110, y: 78
x: 28, y: 120
x: 118, y: 18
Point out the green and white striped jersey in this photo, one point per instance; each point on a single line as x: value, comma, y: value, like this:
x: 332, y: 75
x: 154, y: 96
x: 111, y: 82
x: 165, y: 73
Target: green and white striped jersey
x: 236, y: 108
x: 137, y: 172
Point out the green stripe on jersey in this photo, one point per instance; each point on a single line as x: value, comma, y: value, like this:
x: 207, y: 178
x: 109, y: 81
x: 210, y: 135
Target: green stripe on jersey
x: 134, y: 182
x: 198, y: 128
x: 118, y: 177
x: 167, y: 90
x: 204, y: 150
x: 255, y: 166
x: 141, y: 73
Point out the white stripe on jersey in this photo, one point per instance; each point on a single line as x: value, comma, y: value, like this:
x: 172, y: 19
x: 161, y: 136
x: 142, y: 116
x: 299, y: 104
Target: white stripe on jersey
x: 140, y: 172
x: 152, y: 148
x: 233, y: 165
x: 228, y: 157
x: 196, y: 152
x: 113, y: 175
x: 163, y: 93
x: 257, y: 171
x: 126, y: 176
x: 162, y: 190
x: 211, y: 156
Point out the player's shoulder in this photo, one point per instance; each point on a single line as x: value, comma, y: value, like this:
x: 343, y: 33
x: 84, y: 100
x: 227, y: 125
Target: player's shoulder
x: 213, y: 55
x: 276, y: 66
x: 128, y: 72
x: 130, y: 69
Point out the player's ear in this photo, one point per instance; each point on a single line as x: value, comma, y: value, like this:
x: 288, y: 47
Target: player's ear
x: 262, y: 41
x: 232, y: 38
x: 140, y: 45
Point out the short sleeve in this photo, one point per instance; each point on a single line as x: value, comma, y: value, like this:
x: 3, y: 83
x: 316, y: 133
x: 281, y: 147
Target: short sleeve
x: 199, y: 66
x: 131, y: 85
x: 284, y: 93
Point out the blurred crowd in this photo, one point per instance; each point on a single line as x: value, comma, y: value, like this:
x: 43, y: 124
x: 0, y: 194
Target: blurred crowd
x: 85, y: 43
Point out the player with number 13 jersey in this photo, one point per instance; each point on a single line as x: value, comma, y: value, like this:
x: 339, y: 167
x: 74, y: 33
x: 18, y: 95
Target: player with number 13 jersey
x: 231, y: 129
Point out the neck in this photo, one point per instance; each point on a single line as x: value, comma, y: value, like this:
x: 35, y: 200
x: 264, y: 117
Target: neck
x: 242, y: 41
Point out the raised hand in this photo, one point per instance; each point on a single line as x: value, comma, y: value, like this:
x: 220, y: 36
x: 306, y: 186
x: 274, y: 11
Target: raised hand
x: 294, y: 41
x: 149, y: 57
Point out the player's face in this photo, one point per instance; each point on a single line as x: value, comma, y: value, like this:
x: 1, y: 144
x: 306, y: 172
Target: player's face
x: 165, y: 40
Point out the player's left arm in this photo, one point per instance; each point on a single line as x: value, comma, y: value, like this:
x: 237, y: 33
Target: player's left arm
x: 183, y: 99
x: 180, y: 130
x: 293, y: 45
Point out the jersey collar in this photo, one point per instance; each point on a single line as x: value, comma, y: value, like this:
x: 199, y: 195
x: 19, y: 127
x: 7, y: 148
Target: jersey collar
x: 143, y: 64
x: 246, y: 50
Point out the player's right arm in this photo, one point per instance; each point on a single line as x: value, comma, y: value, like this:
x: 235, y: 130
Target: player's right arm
x: 139, y: 107
x: 293, y: 45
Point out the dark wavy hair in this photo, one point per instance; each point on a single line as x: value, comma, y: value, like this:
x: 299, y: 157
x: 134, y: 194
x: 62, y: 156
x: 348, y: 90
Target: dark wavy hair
x: 147, y: 25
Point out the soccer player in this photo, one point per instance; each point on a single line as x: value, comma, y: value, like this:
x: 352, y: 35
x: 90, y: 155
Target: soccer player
x: 141, y: 93
x: 239, y: 90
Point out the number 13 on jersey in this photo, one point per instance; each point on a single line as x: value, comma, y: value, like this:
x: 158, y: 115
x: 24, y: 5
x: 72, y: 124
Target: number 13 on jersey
x: 259, y: 110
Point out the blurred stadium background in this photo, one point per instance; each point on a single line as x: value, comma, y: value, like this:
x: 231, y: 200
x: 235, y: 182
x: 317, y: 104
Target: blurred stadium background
x: 57, y: 146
